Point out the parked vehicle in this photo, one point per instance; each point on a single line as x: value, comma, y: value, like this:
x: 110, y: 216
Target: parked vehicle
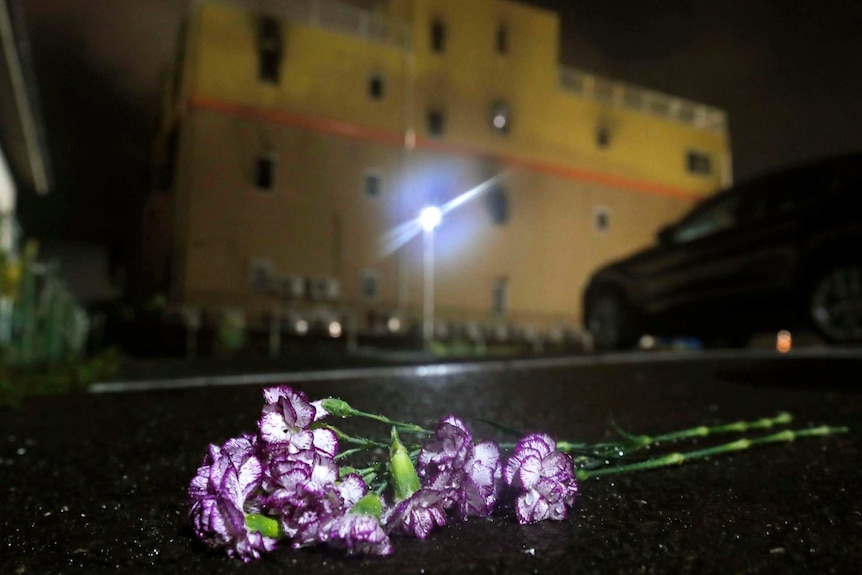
x: 780, y: 251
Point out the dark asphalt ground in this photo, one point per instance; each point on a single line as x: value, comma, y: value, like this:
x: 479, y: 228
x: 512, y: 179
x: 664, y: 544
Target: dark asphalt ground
x: 96, y: 483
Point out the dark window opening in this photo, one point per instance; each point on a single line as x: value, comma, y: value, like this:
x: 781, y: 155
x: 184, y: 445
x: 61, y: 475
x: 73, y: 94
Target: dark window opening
x: 376, y: 87
x: 602, y: 219
x: 372, y: 185
x: 438, y: 36
x: 264, y: 173
x: 368, y: 285
x: 699, y: 163
x: 502, y: 39
x: 603, y: 137
x: 436, y: 122
x: 498, y: 205
x: 500, y: 296
x: 269, y: 44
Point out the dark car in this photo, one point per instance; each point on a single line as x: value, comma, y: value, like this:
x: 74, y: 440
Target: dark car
x: 780, y: 251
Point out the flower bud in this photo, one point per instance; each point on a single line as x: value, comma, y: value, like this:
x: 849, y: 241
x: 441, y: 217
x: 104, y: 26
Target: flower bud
x: 401, y: 467
x: 335, y: 406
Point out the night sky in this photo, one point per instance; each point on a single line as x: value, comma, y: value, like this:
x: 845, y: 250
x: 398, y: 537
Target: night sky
x: 786, y: 72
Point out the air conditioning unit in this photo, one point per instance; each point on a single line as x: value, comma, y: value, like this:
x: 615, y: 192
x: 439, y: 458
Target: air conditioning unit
x: 290, y: 287
x: 324, y: 289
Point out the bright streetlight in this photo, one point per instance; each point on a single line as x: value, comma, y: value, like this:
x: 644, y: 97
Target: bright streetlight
x: 430, y: 217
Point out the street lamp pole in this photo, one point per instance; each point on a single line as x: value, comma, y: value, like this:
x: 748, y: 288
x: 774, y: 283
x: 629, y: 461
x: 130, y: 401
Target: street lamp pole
x: 429, y: 218
x: 428, y: 288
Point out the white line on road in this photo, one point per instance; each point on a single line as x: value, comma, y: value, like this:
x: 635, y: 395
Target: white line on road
x: 449, y: 369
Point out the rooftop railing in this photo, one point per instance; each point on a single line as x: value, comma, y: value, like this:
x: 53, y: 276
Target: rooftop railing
x: 336, y: 17
x: 372, y: 26
x: 642, y: 100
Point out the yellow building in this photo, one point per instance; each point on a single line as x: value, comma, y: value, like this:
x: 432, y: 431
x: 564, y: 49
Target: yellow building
x: 302, y: 138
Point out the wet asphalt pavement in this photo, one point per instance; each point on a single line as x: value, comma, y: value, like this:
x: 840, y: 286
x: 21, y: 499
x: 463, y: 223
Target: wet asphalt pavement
x: 96, y: 483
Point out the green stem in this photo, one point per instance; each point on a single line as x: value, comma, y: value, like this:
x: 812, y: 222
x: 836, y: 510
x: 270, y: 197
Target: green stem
x: 400, y: 425
x: 362, y: 442
x: 632, y: 443
x: 341, y: 408
x: 782, y: 418
x: 738, y: 445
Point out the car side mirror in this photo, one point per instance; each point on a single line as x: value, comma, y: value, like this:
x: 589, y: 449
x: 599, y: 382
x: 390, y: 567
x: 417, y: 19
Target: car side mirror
x: 665, y: 235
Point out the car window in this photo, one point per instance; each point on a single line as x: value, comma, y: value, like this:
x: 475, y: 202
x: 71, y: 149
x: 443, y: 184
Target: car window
x: 709, y: 219
x: 798, y: 190
x: 787, y: 193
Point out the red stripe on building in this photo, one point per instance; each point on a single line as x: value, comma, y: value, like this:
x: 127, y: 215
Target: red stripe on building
x: 392, y: 138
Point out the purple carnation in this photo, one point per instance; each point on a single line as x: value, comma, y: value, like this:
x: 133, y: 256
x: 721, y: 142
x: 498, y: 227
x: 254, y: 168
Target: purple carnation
x: 306, y: 495
x: 545, y: 476
x: 468, y: 474
x: 419, y: 514
x: 220, y: 492
x: 294, y: 481
x: 358, y: 534
x: 285, y: 420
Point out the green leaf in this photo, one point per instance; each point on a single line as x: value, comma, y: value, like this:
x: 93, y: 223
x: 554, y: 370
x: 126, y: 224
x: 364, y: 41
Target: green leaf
x: 369, y: 505
x: 500, y: 427
x: 267, y: 526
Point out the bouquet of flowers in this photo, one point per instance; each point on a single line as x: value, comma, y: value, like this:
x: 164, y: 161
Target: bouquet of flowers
x: 296, y: 480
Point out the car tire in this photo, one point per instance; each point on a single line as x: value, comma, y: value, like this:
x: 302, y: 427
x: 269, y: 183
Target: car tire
x: 835, y: 303
x: 611, y: 322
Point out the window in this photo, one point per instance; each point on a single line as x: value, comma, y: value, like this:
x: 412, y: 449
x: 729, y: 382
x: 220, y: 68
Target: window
x: 368, y: 284
x: 438, y: 36
x: 603, y: 136
x: 698, y: 162
x: 269, y: 47
x: 501, y: 117
x: 715, y: 216
x: 376, y: 87
x: 372, y: 184
x: 502, y: 39
x: 264, y: 172
x: 498, y: 205
x: 500, y: 296
x: 602, y: 219
x: 436, y: 122
x: 260, y: 276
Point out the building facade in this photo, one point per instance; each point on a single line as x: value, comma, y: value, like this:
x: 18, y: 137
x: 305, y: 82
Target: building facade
x: 302, y: 138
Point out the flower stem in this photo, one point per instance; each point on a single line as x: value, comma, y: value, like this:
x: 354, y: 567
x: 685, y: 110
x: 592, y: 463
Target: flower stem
x: 400, y: 425
x: 341, y: 408
x: 678, y: 458
x: 362, y: 442
x: 631, y: 443
x: 782, y: 418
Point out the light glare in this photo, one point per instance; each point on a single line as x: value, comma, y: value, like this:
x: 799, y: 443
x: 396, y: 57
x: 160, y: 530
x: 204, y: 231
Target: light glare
x: 430, y: 217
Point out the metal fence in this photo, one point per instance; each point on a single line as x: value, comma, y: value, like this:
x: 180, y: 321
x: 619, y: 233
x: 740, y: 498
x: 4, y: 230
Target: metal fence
x: 40, y: 320
x: 624, y: 95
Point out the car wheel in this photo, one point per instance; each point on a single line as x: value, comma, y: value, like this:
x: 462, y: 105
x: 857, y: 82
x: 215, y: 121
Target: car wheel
x: 611, y: 322
x: 835, y: 303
